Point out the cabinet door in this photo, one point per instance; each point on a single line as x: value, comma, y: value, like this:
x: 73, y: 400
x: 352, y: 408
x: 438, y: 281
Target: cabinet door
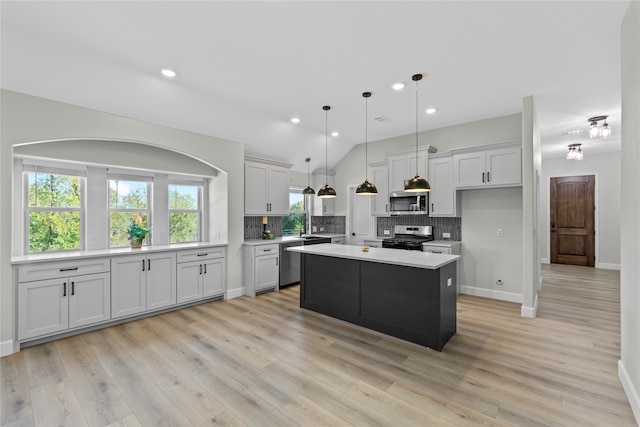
x: 161, y: 280
x: 380, y: 202
x: 442, y: 194
x: 266, y: 272
x: 128, y: 285
x: 256, y: 178
x: 213, y: 277
x: 189, y: 282
x: 397, y: 172
x: 504, y: 166
x: 43, y: 307
x: 323, y: 206
x: 423, y: 169
x: 278, y: 191
x: 469, y: 170
x: 89, y: 299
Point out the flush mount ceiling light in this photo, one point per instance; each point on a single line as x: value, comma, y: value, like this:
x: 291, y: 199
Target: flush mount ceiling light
x: 430, y: 110
x: 575, y: 152
x: 417, y: 183
x: 168, y: 73
x: 398, y: 86
x: 308, y: 191
x: 295, y: 120
x: 597, y: 130
x: 366, y: 188
x: 326, y: 191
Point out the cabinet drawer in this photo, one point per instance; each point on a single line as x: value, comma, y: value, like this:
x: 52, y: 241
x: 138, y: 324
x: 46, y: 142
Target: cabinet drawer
x: 200, y: 254
x: 266, y: 250
x: 54, y: 270
x: 436, y: 249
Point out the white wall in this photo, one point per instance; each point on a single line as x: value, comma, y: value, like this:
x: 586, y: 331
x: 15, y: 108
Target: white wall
x: 629, y: 365
x: 606, y: 168
x: 29, y: 119
x: 487, y: 258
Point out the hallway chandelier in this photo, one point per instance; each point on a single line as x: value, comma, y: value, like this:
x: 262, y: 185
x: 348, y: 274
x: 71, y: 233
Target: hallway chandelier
x: 597, y: 130
x: 575, y: 152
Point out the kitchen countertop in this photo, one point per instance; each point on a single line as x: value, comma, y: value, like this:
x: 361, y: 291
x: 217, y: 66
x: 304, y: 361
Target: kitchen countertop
x: 417, y: 259
x: 278, y: 240
x: 446, y: 243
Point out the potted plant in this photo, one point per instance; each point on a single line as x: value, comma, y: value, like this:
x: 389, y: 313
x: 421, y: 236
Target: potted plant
x: 137, y: 235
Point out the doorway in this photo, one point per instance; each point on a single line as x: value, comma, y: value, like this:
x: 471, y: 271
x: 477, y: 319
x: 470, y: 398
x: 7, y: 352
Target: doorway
x: 572, y: 220
x: 360, y: 223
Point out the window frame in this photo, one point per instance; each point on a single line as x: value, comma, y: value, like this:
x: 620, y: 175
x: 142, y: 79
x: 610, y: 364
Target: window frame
x: 149, y: 210
x: 201, y: 195
x: 305, y: 211
x: 27, y: 209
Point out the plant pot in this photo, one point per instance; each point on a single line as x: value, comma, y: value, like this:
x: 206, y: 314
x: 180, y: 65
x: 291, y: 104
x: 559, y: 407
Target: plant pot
x: 136, y: 244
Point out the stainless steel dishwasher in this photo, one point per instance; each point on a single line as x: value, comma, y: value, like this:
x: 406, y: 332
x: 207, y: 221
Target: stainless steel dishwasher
x: 290, y: 261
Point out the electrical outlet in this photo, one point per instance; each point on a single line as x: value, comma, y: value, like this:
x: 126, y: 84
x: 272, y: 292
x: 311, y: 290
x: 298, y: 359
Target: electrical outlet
x: 500, y: 232
x: 321, y: 229
x: 314, y: 229
x: 446, y: 235
x: 386, y: 232
x: 449, y: 282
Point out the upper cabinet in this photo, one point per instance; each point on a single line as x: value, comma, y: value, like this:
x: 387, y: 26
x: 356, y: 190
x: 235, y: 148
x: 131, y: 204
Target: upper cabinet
x: 443, y: 197
x: 402, y: 166
x: 323, y: 206
x: 498, y: 166
x: 266, y: 189
x: 379, y: 174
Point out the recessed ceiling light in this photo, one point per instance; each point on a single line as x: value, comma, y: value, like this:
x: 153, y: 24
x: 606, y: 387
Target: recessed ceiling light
x: 572, y: 132
x: 295, y: 120
x: 398, y: 86
x: 168, y: 73
x: 335, y: 134
x: 430, y: 110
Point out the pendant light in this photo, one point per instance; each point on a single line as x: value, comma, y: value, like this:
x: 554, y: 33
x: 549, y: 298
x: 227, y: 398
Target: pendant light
x: 326, y: 191
x: 417, y: 184
x: 308, y: 191
x: 366, y: 188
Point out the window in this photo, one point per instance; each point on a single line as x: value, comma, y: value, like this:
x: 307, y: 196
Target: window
x: 295, y: 223
x: 128, y: 204
x: 184, y: 213
x: 54, y: 211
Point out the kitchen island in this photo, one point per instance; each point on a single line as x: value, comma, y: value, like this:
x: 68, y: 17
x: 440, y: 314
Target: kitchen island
x: 406, y: 294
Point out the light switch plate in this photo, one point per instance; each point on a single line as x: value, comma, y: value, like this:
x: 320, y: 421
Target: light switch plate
x: 386, y: 232
x: 446, y: 235
x: 314, y: 229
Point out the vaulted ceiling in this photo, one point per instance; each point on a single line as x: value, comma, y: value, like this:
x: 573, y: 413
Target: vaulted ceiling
x: 244, y: 69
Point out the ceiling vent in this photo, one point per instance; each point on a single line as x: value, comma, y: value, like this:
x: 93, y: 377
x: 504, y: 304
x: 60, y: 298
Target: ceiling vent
x: 382, y: 119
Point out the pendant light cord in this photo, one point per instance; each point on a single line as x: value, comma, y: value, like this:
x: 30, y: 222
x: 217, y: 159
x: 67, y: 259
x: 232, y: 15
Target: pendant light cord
x: 326, y: 146
x: 417, y: 127
x: 366, y: 138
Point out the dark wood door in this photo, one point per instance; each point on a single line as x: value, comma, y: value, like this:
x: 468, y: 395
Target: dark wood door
x: 572, y: 220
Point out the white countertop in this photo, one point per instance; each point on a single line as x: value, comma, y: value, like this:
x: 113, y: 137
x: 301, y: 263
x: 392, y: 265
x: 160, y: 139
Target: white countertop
x: 258, y: 242
x: 382, y: 255
x: 445, y: 243
x: 64, y: 256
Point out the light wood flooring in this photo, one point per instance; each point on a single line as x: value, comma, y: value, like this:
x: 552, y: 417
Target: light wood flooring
x: 265, y: 362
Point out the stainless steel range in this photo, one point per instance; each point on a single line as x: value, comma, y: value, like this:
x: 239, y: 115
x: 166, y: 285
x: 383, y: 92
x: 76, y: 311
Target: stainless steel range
x: 410, y: 237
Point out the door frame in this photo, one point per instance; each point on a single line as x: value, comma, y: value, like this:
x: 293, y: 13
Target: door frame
x: 351, y: 195
x: 596, y: 221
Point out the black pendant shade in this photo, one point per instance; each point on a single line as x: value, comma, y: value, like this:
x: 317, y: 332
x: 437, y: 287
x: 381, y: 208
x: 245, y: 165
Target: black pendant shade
x: 366, y: 188
x: 308, y: 191
x: 326, y: 191
x: 417, y: 183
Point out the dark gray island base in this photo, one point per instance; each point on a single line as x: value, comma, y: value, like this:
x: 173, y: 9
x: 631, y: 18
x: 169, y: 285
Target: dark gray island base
x: 411, y: 303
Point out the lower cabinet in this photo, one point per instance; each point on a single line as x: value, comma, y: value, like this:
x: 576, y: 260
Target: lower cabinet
x: 142, y: 282
x: 338, y: 240
x: 261, y: 268
x: 55, y: 305
x: 201, y: 274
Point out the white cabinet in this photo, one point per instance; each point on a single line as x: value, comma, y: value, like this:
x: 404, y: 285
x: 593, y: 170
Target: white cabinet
x: 494, y: 167
x: 62, y: 298
x: 322, y: 206
x: 261, y: 268
x: 443, y: 197
x: 142, y: 283
x: 379, y: 175
x: 402, y: 166
x: 201, y: 274
x: 266, y: 189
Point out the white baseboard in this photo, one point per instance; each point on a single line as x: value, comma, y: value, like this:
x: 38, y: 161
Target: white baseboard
x: 7, y: 348
x: 629, y: 390
x: 607, y: 266
x: 491, y: 293
x: 234, y: 293
x: 544, y: 260
x: 530, y: 312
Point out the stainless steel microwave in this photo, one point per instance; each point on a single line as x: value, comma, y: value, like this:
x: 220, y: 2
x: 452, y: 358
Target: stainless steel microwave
x: 405, y: 203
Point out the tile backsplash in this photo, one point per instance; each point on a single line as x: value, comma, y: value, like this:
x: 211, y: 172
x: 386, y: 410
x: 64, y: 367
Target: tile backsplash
x: 331, y: 224
x: 253, y: 226
x: 440, y: 225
